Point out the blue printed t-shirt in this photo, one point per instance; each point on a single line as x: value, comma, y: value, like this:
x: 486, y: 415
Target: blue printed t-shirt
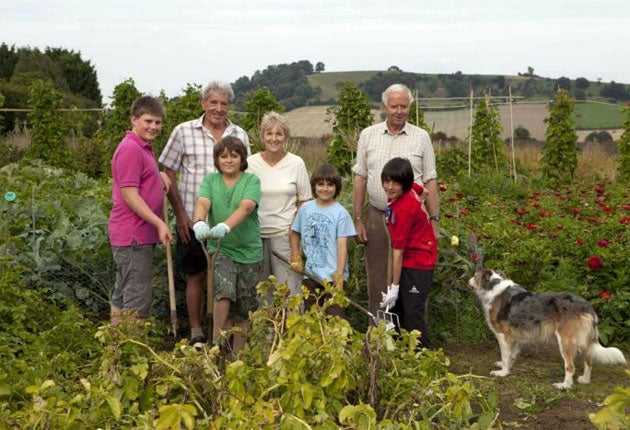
x: 320, y: 227
x: 243, y: 244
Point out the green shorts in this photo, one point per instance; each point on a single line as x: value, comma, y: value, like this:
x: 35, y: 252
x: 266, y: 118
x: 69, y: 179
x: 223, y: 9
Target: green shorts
x: 237, y: 282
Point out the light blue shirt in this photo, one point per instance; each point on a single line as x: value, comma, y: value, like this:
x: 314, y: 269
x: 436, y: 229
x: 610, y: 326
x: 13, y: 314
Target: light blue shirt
x: 320, y: 227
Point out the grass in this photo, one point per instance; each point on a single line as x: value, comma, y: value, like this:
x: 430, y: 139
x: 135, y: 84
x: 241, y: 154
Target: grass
x: 328, y: 81
x: 597, y: 115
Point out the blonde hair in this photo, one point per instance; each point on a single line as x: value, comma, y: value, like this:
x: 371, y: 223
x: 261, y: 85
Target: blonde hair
x: 271, y: 119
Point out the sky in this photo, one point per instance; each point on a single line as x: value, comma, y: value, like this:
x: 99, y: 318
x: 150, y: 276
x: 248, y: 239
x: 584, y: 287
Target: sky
x: 167, y: 44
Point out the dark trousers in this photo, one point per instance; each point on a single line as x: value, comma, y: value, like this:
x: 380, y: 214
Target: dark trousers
x: 411, y: 305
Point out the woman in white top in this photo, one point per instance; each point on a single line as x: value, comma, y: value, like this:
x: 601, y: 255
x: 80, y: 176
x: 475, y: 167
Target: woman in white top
x: 285, y: 186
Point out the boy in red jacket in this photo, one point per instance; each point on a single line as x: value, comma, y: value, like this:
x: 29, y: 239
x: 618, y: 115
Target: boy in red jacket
x: 414, y: 248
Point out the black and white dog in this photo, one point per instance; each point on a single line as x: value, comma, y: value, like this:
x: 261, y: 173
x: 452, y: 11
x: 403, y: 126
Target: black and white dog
x: 517, y: 317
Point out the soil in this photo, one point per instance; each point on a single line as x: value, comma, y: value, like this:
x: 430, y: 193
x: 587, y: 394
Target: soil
x: 527, y: 398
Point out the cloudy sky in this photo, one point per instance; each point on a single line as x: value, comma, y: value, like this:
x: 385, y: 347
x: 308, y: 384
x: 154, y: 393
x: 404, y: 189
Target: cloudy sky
x: 165, y: 44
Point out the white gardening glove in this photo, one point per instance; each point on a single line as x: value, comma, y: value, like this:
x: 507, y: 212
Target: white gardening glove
x: 219, y: 230
x: 202, y: 230
x: 389, y: 298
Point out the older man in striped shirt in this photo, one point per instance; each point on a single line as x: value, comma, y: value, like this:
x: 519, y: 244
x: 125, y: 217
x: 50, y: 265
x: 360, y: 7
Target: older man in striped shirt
x: 378, y: 144
x: 189, y: 152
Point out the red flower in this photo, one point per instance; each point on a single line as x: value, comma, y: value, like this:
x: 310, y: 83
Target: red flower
x: 576, y: 211
x: 544, y: 214
x: 531, y: 227
x: 473, y: 257
x: 594, y: 263
x: 521, y: 212
x: 553, y: 234
x: 463, y: 212
x: 604, y: 295
x: 448, y: 215
x: 625, y: 220
x: 559, y: 227
x: 602, y: 243
x: 579, y: 241
x: 442, y: 187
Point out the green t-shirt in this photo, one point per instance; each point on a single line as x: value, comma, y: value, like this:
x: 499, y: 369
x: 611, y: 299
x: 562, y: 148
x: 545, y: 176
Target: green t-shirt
x: 243, y: 243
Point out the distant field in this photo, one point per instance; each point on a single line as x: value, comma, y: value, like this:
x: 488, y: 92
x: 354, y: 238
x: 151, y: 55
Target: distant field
x: 328, y: 81
x: 311, y: 121
x: 598, y: 115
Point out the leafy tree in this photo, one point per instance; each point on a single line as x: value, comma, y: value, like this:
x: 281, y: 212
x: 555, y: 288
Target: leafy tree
x: 559, y: 155
x: 319, y: 67
x: 521, y: 133
x: 394, y: 69
x: 8, y: 60
x: 487, y: 146
x: 580, y: 95
x: 623, y: 171
x: 287, y: 82
x: 35, y: 61
x: 178, y: 109
x: 117, y: 120
x: 351, y: 116
x: 79, y: 74
x: 258, y: 104
x: 582, y: 83
x: 599, y: 136
x: 530, y: 71
x: 615, y: 91
x: 564, y: 83
x: 49, y: 128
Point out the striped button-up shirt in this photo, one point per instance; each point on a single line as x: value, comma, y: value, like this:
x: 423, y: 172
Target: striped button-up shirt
x: 189, y: 151
x: 377, y: 146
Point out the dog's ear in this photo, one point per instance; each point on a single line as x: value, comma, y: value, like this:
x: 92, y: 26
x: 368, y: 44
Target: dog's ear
x: 487, y: 273
x: 502, y: 274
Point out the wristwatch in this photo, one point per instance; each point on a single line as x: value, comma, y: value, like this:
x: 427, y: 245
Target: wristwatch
x: 435, y: 218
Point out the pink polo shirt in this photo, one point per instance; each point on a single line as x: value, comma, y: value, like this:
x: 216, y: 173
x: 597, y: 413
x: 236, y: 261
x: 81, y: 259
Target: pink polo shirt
x: 134, y: 165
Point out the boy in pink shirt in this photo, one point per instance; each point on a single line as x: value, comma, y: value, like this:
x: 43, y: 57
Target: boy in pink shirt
x: 414, y: 248
x: 135, y: 222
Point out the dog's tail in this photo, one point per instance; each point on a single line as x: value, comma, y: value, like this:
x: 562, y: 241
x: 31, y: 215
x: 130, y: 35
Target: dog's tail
x: 605, y: 355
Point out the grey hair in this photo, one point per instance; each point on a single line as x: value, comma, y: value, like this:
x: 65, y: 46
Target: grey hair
x: 274, y: 118
x: 220, y: 87
x: 396, y: 88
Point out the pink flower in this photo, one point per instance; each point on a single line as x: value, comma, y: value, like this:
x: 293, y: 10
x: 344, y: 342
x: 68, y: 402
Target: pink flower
x: 594, y: 263
x: 463, y: 212
x: 604, y: 295
x: 603, y: 243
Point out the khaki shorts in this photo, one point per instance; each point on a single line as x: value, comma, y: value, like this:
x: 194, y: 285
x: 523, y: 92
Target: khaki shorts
x: 237, y: 282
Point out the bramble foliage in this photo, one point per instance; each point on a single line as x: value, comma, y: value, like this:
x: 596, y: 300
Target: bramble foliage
x: 614, y: 415
x: 351, y: 116
x: 487, y: 146
x: 297, y: 371
x: 549, y: 240
x: 117, y: 120
x: 179, y: 109
x: 560, y: 153
x: 257, y: 104
x: 623, y: 171
x: 49, y: 129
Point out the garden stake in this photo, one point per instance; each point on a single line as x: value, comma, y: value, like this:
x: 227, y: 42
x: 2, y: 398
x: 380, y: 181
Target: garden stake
x: 171, y: 276
x: 210, y: 285
x: 350, y: 301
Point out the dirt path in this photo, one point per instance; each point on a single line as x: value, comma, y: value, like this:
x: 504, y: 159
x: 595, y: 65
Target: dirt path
x: 526, y: 397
